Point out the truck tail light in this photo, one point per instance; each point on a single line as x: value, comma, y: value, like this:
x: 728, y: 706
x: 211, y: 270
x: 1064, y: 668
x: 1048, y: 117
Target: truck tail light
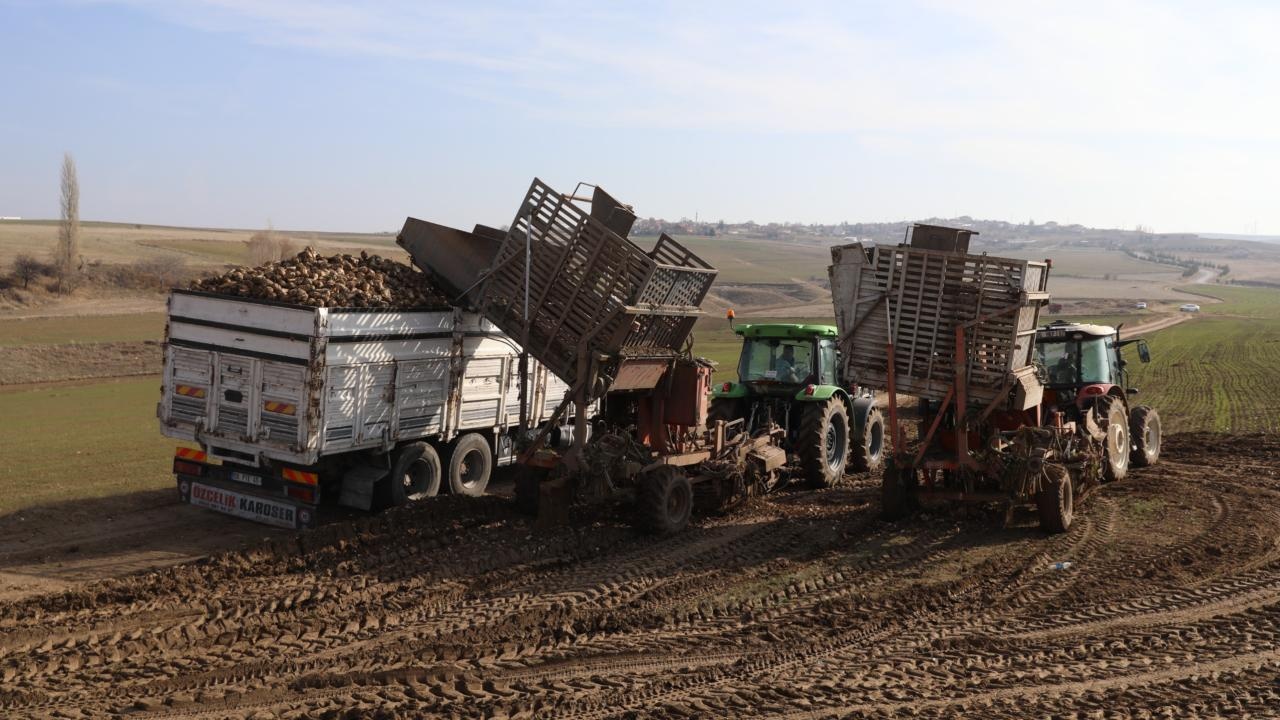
x: 809, y: 389
x: 300, y: 476
x: 183, y: 467
x: 303, y: 494
x: 183, y: 453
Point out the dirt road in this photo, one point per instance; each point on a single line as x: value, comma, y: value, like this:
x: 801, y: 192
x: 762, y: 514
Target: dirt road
x: 804, y: 605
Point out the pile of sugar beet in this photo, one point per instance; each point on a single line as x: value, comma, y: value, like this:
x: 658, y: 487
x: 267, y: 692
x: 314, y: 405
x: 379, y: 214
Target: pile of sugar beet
x: 346, y: 281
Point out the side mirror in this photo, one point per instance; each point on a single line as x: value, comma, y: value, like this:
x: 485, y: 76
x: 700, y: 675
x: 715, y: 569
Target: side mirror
x: 1144, y: 353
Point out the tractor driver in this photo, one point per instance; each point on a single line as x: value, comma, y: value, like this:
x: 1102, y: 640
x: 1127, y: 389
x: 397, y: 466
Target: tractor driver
x: 1064, y: 371
x: 786, y: 366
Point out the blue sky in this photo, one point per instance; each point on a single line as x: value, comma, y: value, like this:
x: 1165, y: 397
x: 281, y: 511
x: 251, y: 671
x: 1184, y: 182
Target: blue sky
x: 333, y: 115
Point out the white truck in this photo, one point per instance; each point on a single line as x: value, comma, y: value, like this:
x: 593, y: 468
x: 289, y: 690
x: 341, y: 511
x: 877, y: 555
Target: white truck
x: 290, y: 406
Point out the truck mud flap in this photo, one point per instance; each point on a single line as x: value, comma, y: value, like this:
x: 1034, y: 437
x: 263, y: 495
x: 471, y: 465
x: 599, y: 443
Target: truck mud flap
x: 274, y: 511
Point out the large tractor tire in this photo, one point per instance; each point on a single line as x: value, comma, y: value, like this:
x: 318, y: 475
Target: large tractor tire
x: 867, y: 453
x: 1144, y: 433
x: 897, y: 491
x: 664, y: 501
x: 1056, y: 499
x: 1115, y: 463
x: 414, y: 476
x: 823, y: 443
x: 470, y: 465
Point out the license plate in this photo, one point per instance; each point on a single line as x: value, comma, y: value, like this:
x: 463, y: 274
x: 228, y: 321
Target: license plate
x: 246, y: 478
x: 242, y: 505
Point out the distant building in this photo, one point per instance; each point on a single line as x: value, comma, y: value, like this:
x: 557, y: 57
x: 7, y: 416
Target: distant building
x: 9, y: 217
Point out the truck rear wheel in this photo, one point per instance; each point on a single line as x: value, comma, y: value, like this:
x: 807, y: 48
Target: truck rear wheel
x: 414, y: 476
x: 824, y: 442
x: 470, y: 465
x: 1144, y: 431
x: 664, y: 500
x: 1056, y: 499
x: 867, y: 453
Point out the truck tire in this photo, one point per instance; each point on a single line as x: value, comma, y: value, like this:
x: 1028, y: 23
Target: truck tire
x: 470, y: 465
x: 823, y: 443
x: 867, y: 452
x: 1115, y: 461
x: 897, y: 492
x: 664, y: 500
x: 414, y: 476
x: 1056, y: 499
x: 1144, y: 433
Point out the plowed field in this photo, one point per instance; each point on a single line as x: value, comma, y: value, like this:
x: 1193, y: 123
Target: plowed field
x: 803, y: 605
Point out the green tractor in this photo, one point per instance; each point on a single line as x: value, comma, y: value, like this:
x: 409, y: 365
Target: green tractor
x: 788, y: 376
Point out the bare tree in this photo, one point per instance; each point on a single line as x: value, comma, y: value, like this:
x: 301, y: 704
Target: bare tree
x: 27, y: 268
x: 267, y: 246
x: 69, y: 228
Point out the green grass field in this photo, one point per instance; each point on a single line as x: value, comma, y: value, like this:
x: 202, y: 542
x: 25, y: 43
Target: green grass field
x: 1214, y: 374
x: 82, y: 329
x: 1238, y: 301
x: 63, y: 442
x: 1217, y: 372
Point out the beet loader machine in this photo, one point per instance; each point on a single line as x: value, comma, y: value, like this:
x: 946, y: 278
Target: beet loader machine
x: 1009, y: 413
x: 614, y: 322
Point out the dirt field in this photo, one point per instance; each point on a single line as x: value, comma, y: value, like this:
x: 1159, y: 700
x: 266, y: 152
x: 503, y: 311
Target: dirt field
x: 804, y: 605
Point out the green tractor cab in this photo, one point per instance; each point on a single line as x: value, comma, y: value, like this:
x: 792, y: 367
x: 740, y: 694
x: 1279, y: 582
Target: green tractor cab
x: 788, y: 375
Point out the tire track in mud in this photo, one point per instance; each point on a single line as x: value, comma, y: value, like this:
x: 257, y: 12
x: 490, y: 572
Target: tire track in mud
x: 803, y: 604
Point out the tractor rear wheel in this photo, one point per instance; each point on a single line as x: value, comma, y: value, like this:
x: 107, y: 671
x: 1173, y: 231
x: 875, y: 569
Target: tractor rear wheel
x: 664, y: 499
x: 1116, y: 448
x: 897, y: 491
x: 1144, y: 430
x: 867, y: 453
x: 823, y: 443
x: 1056, y: 499
x: 727, y: 409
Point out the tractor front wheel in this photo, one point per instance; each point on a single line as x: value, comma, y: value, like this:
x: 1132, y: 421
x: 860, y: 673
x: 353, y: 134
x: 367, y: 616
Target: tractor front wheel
x: 1056, y: 499
x: 665, y: 500
x: 1116, y: 450
x: 1144, y: 429
x: 824, y: 442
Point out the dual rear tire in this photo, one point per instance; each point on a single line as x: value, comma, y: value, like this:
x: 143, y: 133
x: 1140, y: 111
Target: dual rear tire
x: 418, y: 472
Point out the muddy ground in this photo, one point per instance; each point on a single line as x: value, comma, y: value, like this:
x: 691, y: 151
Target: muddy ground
x: 804, y: 605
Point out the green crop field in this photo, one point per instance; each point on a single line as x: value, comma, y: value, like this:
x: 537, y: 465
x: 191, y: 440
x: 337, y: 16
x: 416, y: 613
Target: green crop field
x: 82, y: 329
x: 68, y: 441
x: 1214, y: 374
x: 1238, y: 301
